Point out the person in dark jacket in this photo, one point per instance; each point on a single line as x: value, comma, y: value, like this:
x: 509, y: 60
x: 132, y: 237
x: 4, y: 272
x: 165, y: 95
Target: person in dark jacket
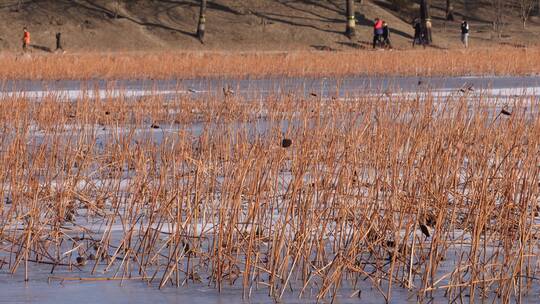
x: 386, y: 35
x: 419, y: 33
x: 59, y: 42
x: 465, y: 33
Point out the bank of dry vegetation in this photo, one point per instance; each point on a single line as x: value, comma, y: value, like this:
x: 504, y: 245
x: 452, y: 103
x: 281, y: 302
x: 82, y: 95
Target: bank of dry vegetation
x: 425, y: 62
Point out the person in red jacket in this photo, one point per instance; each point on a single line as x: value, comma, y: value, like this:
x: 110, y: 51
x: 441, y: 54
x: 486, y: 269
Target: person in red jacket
x: 25, y: 39
x: 377, y: 31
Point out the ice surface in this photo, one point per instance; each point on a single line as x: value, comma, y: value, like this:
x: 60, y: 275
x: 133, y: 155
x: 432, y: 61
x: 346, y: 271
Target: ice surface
x: 40, y: 289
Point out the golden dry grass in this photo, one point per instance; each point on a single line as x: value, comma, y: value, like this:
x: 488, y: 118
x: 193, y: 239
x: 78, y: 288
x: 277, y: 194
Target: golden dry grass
x: 428, y: 62
x: 344, y: 205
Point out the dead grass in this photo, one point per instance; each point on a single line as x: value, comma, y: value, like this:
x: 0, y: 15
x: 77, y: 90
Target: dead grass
x: 128, y: 189
x: 429, y: 62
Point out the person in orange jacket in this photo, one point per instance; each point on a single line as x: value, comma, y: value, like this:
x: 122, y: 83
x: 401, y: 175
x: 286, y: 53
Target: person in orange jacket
x: 25, y: 39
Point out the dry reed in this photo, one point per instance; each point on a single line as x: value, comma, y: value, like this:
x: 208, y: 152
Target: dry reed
x: 210, y: 194
x: 430, y: 62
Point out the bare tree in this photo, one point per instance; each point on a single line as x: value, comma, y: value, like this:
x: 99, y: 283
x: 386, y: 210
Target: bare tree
x: 449, y: 10
x: 350, y: 31
x: 525, y: 9
x: 202, y: 21
x: 500, y: 13
x: 116, y: 8
x: 426, y: 20
x: 400, y: 4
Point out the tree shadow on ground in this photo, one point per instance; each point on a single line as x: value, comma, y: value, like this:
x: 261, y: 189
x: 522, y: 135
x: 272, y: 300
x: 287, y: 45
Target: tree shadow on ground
x: 400, y: 33
x: 209, y: 6
x: 354, y: 45
x: 301, y: 16
x: 362, y: 20
x: 323, y: 48
x: 437, y: 47
x: 331, y: 5
x: 288, y: 20
x: 318, y: 17
x: 403, y: 14
x: 15, y: 5
x: 90, y: 5
x: 41, y: 48
x: 459, y: 16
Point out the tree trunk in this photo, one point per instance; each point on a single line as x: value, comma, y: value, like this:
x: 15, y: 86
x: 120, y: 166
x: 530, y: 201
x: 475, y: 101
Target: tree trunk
x: 449, y: 10
x: 500, y: 9
x: 116, y: 9
x: 202, y: 21
x: 350, y: 31
x: 59, y: 41
x: 426, y: 20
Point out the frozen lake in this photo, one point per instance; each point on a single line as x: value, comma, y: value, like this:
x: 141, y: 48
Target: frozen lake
x: 257, y: 89
x: 139, y: 292
x: 45, y: 287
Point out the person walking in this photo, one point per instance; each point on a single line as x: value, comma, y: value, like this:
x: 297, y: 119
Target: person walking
x: 59, y: 42
x: 465, y: 33
x: 417, y: 26
x: 386, y: 35
x: 377, y: 31
x: 25, y: 39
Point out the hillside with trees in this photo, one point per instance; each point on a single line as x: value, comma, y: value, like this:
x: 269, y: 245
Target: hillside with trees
x: 266, y: 25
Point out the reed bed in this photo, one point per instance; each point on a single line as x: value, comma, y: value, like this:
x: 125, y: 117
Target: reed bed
x: 167, y: 65
x: 301, y: 196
